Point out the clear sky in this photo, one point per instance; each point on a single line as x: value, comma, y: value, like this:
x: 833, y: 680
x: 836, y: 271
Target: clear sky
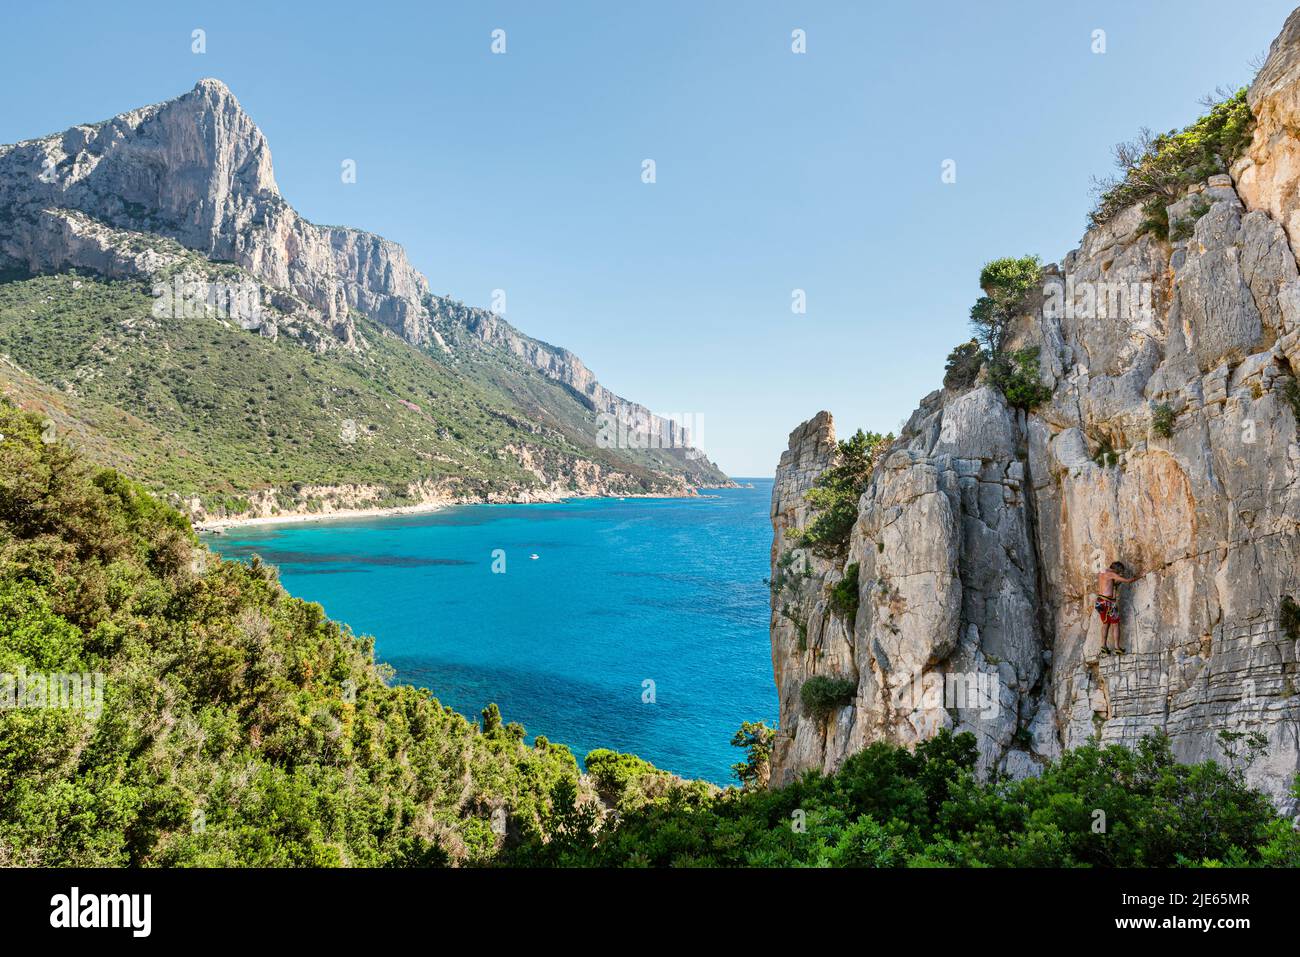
x: 775, y: 171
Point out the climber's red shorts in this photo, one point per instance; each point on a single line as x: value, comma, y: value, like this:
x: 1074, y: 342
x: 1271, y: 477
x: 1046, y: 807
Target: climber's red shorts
x: 1107, y: 610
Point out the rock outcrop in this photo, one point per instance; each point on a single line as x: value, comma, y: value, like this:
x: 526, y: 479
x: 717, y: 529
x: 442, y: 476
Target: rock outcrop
x: 186, y: 185
x: 1169, y: 442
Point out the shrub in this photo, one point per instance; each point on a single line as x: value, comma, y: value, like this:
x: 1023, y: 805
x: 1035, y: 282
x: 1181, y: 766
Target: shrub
x: 844, y: 594
x: 1155, y: 169
x: 1105, y: 456
x: 889, y: 806
x: 1017, y: 376
x: 757, y: 740
x: 1291, y: 395
x: 1183, y: 227
x: 1162, y: 420
x: 834, y: 496
x: 963, y: 366
x: 1006, y: 283
x: 821, y: 694
x: 1156, y: 219
x: 1289, y: 618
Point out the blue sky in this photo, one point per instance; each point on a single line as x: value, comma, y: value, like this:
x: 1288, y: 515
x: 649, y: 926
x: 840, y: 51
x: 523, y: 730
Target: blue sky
x: 775, y: 171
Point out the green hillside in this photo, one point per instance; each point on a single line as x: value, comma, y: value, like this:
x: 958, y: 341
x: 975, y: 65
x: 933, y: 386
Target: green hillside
x: 239, y: 725
x: 198, y: 405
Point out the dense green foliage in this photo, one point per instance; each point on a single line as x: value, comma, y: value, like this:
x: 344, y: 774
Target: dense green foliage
x: 834, y: 496
x: 1162, y: 420
x: 757, y: 741
x: 1155, y: 169
x: 963, y: 365
x: 822, y: 694
x: 198, y: 405
x: 891, y: 807
x: 1007, y: 284
x: 239, y: 725
x: 1017, y: 376
x: 844, y: 593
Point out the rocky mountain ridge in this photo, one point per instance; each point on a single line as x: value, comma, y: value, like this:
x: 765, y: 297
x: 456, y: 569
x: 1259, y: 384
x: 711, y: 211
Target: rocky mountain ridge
x: 1169, y: 442
x: 183, y: 192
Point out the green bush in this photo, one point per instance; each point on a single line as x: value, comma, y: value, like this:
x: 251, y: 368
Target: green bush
x: 1162, y: 420
x: 844, y: 594
x: 1183, y: 227
x: 757, y: 739
x: 963, y: 366
x: 1155, y: 169
x: 888, y: 806
x: 1018, y: 377
x: 821, y: 694
x: 834, y: 496
x: 1289, y: 618
x: 1106, y: 456
x: 1006, y: 283
x: 1291, y: 396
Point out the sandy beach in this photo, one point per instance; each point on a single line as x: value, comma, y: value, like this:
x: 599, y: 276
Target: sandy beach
x: 218, y: 525
x: 295, y: 518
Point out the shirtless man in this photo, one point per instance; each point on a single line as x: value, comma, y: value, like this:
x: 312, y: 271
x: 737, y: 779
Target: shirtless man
x: 1107, y: 604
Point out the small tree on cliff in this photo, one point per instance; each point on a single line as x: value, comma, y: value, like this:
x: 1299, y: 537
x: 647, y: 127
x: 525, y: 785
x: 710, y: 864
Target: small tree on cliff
x: 1006, y: 283
x: 835, y: 494
x: 757, y: 739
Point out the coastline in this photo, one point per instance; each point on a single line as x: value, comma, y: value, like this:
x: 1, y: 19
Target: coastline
x: 218, y: 526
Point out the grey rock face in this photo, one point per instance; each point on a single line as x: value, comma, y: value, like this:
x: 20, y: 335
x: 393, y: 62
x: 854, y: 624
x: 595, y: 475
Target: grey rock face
x: 197, y: 170
x: 128, y: 197
x: 981, y: 533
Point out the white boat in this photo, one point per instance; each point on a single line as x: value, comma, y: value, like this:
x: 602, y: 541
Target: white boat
x: 534, y: 556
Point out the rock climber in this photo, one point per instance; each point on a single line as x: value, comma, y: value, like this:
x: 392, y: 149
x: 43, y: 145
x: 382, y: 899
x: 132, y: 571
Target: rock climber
x: 1107, y: 604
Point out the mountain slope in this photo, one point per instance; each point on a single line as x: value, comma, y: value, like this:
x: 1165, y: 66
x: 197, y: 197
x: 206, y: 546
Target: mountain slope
x: 275, y: 337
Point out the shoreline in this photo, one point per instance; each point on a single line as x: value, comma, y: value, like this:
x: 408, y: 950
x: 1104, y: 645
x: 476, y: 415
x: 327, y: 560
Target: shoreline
x: 218, y: 526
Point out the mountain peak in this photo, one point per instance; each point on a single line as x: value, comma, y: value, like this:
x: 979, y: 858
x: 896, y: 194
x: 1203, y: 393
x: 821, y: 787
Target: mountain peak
x: 210, y: 84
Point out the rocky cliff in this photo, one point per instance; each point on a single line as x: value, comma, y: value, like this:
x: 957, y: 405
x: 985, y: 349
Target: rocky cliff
x: 1169, y: 442
x: 184, y: 191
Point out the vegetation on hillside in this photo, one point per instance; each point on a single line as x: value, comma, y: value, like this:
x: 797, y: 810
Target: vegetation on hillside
x: 891, y: 807
x: 239, y: 725
x: 197, y: 405
x: 1154, y: 169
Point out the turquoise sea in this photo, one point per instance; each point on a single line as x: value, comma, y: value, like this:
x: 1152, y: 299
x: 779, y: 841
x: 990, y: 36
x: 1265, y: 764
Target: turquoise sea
x: 622, y: 592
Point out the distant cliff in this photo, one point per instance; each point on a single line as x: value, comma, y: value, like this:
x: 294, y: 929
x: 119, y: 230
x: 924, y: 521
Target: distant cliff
x: 183, y: 192
x: 1169, y: 441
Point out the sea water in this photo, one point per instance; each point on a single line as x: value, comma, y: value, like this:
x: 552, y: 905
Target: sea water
x: 640, y: 626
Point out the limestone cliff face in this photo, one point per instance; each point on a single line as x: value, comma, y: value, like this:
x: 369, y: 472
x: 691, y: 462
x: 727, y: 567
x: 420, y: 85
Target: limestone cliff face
x: 981, y: 533
x: 126, y: 198
x: 195, y: 169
